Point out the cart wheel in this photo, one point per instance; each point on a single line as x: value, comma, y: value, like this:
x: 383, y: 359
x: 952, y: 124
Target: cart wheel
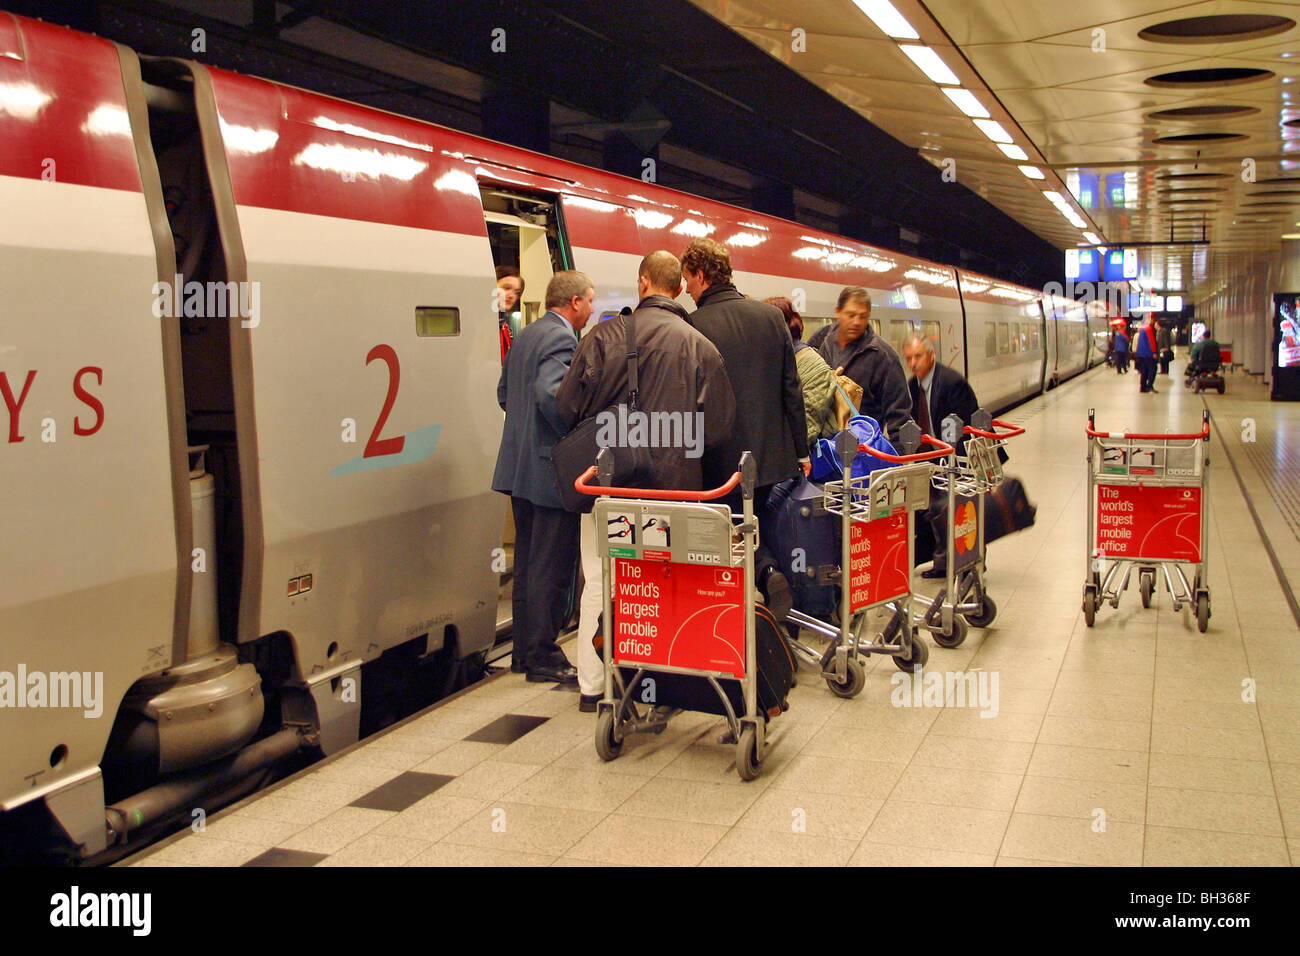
x: 1147, y: 583
x: 606, y: 746
x: 920, y: 654
x: 1089, y: 606
x: 852, y: 685
x: 988, y: 611
x: 955, y: 638
x: 1202, y: 612
x: 747, y: 763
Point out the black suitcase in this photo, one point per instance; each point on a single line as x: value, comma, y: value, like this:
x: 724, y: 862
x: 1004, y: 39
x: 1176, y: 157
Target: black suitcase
x: 804, y: 539
x: 776, y: 669
x: 1007, y: 509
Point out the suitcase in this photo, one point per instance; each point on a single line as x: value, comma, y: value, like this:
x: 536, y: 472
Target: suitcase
x: 804, y: 539
x: 1007, y: 509
x: 776, y: 670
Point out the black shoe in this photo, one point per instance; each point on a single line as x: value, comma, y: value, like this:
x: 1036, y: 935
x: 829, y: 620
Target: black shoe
x: 587, y: 704
x: 1153, y: 389
x: 558, y: 675
x: 935, y: 573
x: 517, y: 666
x: 779, y: 599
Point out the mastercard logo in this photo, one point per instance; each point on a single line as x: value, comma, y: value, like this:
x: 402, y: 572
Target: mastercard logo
x: 965, y: 528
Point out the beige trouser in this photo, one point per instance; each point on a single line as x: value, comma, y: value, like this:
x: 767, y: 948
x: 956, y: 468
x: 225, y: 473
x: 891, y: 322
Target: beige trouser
x: 591, y: 670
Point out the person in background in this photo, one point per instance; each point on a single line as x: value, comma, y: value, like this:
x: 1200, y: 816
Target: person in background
x: 759, y: 355
x: 546, y: 535
x: 869, y: 360
x: 1144, y: 355
x: 815, y: 376
x: 1121, y: 352
x: 678, y: 370
x: 1205, y: 354
x: 1164, y: 346
x: 510, y: 289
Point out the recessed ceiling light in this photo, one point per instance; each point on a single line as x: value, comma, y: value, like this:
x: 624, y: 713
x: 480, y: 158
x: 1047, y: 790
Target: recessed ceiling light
x: 966, y: 102
x: 1033, y: 172
x: 1096, y: 240
x: 1013, y: 152
x: 993, y: 130
x: 930, y: 64
x: 884, y: 15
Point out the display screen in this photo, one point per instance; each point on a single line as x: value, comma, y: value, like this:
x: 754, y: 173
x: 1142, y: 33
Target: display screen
x: 1287, y: 322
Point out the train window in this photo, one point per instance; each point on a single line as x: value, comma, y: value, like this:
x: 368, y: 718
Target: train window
x: 1032, y: 339
x: 433, y: 320
x: 990, y: 339
x: 898, y: 333
x: 1004, y: 338
x: 930, y: 330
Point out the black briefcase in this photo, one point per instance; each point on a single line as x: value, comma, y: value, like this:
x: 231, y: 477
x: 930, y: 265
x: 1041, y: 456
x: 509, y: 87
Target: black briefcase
x: 1007, y: 509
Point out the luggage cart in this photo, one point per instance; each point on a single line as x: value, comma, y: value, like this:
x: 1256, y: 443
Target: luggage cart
x: 967, y: 479
x: 1146, y: 510
x: 876, y: 545
x: 701, y: 563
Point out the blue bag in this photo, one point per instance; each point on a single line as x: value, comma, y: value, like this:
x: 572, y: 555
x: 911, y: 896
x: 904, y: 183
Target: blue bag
x: 826, y: 464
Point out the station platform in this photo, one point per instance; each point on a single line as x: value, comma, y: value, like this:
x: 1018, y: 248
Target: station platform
x: 1136, y: 742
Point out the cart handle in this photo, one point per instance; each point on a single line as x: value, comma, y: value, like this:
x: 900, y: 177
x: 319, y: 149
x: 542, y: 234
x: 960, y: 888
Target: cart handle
x: 1011, y: 430
x: 656, y: 494
x: 1204, y: 433
x: 941, y: 449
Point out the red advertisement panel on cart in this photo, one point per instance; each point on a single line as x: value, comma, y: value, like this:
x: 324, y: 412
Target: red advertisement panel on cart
x: 878, y: 565
x: 1149, y: 523
x: 679, y: 615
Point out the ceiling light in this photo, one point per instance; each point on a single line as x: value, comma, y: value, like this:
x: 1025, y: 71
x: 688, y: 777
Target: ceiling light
x: 930, y: 64
x: 966, y: 102
x: 1291, y: 235
x: 1013, y: 152
x: 1033, y: 172
x: 993, y: 130
x: 1093, y: 238
x: 891, y: 22
x: 1053, y: 196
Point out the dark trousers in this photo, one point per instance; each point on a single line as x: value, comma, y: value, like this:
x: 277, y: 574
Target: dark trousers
x: 546, y: 553
x: 1121, y: 362
x: 937, y: 517
x: 1146, y: 366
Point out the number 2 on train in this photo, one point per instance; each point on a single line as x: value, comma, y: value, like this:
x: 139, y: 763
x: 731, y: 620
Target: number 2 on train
x: 376, y: 446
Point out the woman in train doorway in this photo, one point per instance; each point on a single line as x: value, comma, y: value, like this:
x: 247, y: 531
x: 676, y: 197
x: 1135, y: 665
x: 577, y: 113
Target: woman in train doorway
x: 510, y: 290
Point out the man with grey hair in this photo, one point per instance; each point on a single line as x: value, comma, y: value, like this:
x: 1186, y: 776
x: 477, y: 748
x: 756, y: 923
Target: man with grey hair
x: 937, y: 391
x: 546, y: 535
x: 856, y: 351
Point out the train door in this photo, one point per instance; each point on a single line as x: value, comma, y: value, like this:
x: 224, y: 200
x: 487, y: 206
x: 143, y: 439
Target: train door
x: 526, y: 233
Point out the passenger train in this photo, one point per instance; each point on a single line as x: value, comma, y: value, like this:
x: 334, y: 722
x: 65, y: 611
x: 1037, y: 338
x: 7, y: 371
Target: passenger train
x: 248, y: 356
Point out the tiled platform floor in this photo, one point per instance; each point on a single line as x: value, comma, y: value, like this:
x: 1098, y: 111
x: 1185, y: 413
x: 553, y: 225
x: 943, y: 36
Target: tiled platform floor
x: 1136, y: 742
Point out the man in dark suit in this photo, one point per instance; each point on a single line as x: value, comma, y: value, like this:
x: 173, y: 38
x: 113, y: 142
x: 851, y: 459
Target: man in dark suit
x: 937, y: 391
x: 546, y: 536
x: 759, y: 356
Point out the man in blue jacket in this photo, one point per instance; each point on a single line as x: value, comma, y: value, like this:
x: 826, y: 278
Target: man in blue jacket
x: 546, y: 536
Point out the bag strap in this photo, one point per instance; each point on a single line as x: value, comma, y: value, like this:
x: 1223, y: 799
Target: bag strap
x: 848, y: 401
x: 632, y: 381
